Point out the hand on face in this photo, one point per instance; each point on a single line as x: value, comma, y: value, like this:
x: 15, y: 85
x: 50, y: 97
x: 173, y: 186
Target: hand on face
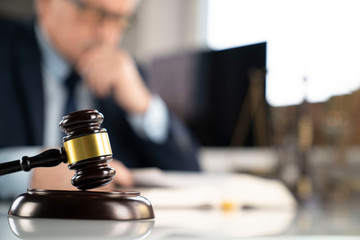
x: 108, y: 71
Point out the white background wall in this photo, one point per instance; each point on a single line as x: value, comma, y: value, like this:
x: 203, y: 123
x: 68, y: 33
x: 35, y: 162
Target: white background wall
x: 167, y: 26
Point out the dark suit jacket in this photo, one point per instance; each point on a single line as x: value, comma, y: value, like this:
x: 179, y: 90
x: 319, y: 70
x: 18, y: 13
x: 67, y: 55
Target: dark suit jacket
x: 22, y: 107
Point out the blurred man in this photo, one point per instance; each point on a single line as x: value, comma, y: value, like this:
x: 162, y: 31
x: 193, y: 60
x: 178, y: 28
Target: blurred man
x: 69, y: 59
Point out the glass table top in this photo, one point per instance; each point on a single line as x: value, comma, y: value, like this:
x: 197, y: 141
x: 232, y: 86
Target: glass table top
x: 310, y: 221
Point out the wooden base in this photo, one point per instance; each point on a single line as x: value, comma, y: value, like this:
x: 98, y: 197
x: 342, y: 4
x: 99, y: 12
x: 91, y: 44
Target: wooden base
x: 94, y: 205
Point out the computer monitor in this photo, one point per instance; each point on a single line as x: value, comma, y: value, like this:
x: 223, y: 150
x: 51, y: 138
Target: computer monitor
x: 220, y: 95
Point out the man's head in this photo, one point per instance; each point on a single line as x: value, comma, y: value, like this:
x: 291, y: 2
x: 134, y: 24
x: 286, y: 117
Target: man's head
x: 74, y: 26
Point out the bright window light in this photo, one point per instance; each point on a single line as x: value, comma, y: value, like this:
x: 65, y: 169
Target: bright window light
x: 316, y: 40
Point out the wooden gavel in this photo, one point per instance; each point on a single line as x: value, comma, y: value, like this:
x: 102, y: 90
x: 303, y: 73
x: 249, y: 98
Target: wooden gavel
x: 86, y: 150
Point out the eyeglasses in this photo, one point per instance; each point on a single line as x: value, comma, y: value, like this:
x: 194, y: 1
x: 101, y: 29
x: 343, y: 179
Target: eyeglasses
x: 97, y: 15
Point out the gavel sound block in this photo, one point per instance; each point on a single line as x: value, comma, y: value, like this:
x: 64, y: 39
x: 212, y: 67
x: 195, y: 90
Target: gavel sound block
x: 86, y: 150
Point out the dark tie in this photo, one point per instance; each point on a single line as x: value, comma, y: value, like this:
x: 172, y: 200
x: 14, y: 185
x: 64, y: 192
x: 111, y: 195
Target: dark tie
x: 70, y: 83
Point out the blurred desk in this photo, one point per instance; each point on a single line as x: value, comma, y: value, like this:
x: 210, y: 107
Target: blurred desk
x: 312, y: 221
x: 327, y: 218
x: 5, y: 231
x: 206, y: 206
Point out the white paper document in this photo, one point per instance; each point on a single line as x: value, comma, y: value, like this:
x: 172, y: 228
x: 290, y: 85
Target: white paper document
x: 211, y: 190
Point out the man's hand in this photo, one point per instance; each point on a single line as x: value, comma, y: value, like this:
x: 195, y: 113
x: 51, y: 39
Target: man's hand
x: 55, y: 178
x: 109, y: 71
x: 59, y: 177
x: 123, y: 177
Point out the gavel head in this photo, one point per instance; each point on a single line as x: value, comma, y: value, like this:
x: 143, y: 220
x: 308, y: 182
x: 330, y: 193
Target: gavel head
x: 87, y: 148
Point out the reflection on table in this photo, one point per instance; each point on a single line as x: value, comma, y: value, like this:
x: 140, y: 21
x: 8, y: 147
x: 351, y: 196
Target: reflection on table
x: 36, y: 228
x: 169, y: 222
x: 315, y: 219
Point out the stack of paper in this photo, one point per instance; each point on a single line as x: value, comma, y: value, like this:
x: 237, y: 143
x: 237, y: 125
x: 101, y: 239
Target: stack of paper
x: 212, y: 190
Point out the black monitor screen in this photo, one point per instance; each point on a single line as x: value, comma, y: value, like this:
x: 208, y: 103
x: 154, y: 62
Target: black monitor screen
x: 220, y: 95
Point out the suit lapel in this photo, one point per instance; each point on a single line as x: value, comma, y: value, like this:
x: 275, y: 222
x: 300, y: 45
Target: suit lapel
x: 30, y: 81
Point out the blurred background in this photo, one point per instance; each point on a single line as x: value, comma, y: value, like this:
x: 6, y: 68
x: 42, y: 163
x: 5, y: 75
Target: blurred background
x: 267, y: 87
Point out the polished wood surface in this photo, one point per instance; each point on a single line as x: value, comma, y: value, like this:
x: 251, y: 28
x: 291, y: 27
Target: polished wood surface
x: 98, y: 205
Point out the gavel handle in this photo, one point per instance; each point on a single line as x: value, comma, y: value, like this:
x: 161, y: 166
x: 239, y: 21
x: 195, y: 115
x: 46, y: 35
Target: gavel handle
x: 49, y: 158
